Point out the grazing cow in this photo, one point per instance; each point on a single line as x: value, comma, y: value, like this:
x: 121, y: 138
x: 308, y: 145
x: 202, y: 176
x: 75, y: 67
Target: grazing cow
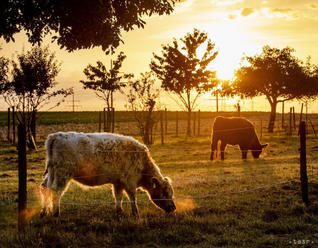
x: 235, y: 131
x: 96, y: 159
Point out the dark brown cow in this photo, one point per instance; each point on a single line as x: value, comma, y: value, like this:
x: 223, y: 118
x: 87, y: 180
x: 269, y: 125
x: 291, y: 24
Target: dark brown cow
x: 235, y: 131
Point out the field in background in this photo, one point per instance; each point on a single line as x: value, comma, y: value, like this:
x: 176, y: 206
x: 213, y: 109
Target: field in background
x: 231, y: 203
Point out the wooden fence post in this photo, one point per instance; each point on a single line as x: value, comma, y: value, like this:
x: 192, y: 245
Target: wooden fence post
x: 9, y: 125
x: 113, y: 120
x: 294, y: 118
x: 13, y: 125
x: 161, y: 128
x: 290, y: 122
x: 99, y: 121
x: 104, y: 119
x: 300, y: 117
x: 199, y: 122
x: 303, y: 166
x: 166, y: 121
x: 261, y: 129
x: 22, y: 167
x: 33, y: 125
x: 194, y: 121
x: 283, y: 114
x: 177, y: 124
x: 313, y: 127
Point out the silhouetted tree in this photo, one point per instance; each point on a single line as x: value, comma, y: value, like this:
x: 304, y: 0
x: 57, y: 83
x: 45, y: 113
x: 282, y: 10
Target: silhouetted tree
x: 4, y: 72
x: 142, y: 98
x: 33, y: 85
x: 183, y: 72
x: 78, y: 24
x: 278, y: 75
x: 105, y: 82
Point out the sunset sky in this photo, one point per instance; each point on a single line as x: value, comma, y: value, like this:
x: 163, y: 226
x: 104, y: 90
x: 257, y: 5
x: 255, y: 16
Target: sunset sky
x: 235, y: 26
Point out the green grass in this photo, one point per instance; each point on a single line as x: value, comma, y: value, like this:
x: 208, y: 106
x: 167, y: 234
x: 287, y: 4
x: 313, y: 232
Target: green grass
x: 234, y: 215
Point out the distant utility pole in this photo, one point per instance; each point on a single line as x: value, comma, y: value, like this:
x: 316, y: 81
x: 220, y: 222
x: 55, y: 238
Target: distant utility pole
x: 74, y: 105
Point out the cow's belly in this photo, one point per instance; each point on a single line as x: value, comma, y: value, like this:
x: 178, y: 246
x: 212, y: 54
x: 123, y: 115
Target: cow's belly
x: 94, y: 173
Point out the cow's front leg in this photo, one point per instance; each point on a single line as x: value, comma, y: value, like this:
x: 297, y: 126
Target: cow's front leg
x: 58, y: 187
x: 118, y: 194
x: 56, y: 197
x: 244, y: 153
x: 214, y: 146
x: 132, y: 196
x: 222, y: 148
x: 45, y: 197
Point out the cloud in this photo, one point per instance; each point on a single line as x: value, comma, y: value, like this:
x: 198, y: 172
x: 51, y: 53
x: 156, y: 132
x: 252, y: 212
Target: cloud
x: 287, y: 13
x: 312, y: 6
x: 282, y: 10
x: 247, y: 11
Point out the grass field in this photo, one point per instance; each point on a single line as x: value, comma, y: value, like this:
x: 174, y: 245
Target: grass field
x: 231, y: 203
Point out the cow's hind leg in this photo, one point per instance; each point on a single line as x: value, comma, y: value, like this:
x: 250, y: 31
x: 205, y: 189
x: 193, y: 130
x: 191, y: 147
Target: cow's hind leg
x: 214, y: 146
x: 222, y: 148
x: 118, y: 194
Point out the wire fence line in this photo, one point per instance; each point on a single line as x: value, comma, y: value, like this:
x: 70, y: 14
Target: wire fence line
x: 198, y: 197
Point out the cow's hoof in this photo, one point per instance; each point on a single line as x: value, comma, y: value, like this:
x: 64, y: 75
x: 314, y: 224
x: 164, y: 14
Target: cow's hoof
x: 56, y: 214
x: 42, y: 213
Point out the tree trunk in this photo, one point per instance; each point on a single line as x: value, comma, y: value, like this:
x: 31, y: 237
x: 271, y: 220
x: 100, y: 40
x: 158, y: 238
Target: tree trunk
x: 272, y: 117
x: 189, y: 123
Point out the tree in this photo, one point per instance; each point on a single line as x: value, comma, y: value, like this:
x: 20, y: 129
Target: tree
x: 78, y: 24
x: 4, y: 72
x: 105, y: 82
x: 142, y: 99
x: 33, y: 85
x: 277, y: 75
x: 183, y: 72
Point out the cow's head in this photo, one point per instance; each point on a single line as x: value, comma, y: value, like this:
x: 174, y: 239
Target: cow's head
x: 258, y: 151
x: 162, y: 193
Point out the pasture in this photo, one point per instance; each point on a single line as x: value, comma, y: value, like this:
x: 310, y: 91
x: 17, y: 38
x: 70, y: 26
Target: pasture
x: 231, y: 203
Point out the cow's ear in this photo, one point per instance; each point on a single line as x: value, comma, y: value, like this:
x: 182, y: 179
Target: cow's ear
x: 155, y: 182
x: 263, y: 146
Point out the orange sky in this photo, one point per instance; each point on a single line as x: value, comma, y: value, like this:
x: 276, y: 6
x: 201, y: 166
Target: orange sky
x: 236, y: 26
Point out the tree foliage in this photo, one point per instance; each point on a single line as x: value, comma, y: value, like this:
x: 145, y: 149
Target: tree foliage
x: 278, y: 75
x: 142, y: 99
x: 4, y: 72
x: 33, y: 84
x: 105, y: 82
x: 184, y: 72
x: 78, y: 24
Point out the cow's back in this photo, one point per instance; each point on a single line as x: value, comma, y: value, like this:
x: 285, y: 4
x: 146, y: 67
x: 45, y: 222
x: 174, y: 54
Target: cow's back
x: 235, y: 131
x: 92, y: 154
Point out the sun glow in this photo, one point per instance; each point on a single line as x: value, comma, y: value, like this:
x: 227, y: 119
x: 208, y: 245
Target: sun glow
x: 232, y: 41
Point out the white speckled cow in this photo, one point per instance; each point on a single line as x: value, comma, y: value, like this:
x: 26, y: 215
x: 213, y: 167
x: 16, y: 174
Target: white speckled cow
x: 94, y: 159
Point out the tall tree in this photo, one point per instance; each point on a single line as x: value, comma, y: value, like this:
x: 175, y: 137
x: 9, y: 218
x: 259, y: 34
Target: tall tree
x: 78, y: 24
x: 184, y: 72
x: 105, y: 82
x: 142, y: 99
x: 33, y: 84
x: 4, y: 72
x: 277, y: 75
